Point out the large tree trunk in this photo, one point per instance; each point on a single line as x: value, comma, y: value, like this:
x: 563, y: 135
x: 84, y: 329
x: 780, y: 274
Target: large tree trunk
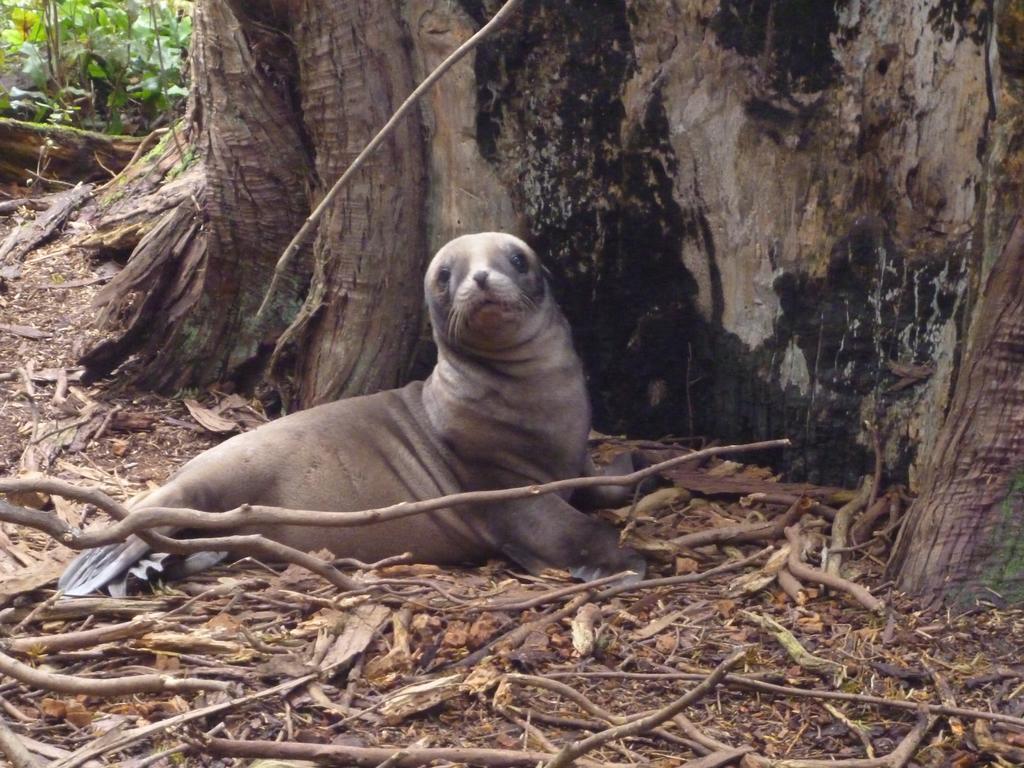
x: 283, y: 98
x: 964, y: 537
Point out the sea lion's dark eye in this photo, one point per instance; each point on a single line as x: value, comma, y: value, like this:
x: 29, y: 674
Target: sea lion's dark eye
x: 444, y: 274
x: 518, y: 260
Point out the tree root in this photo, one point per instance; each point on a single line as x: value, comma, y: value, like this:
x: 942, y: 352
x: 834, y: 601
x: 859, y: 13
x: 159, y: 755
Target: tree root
x: 804, y: 572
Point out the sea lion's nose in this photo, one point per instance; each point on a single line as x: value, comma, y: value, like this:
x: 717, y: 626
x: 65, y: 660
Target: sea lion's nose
x: 480, y: 277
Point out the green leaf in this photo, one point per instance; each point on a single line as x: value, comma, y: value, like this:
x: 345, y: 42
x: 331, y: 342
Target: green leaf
x: 96, y: 70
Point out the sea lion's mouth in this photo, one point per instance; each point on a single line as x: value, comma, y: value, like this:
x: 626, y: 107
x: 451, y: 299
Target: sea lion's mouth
x: 491, y: 312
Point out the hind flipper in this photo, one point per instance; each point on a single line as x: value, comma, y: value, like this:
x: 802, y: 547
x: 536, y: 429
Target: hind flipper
x: 548, y: 532
x: 96, y: 568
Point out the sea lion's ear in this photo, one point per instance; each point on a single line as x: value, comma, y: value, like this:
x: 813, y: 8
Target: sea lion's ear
x: 548, y: 277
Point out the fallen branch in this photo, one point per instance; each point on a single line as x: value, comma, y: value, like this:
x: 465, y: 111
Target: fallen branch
x: 590, y: 707
x: 139, y: 522
x: 86, y: 638
x: 370, y: 757
x: 644, y: 724
x: 38, y: 230
x: 791, y: 585
x: 718, y: 759
x: 749, y: 683
x: 898, y: 758
x: 14, y: 750
x: 804, y: 572
x: 110, y: 686
x: 788, y: 499
x: 747, y: 532
x: 860, y: 532
x: 496, y: 22
x: 841, y: 526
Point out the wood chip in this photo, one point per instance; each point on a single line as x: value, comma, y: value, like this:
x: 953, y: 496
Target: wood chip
x: 25, y: 331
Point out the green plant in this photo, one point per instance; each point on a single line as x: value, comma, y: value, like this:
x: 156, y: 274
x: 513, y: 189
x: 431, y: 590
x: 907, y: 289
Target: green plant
x: 111, y: 65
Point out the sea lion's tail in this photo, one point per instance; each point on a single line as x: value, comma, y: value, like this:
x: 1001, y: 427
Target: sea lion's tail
x: 107, y: 566
x: 111, y: 567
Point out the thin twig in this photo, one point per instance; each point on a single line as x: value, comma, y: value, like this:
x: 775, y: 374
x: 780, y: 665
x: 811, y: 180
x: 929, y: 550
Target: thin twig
x: 371, y: 757
x: 644, y: 724
x: 101, y: 746
x: 586, y: 704
x: 749, y: 683
x: 69, y: 641
x: 150, y: 517
x: 747, y: 532
x: 140, y: 521
x: 898, y: 758
x: 110, y: 686
x: 553, y: 595
x: 688, y: 578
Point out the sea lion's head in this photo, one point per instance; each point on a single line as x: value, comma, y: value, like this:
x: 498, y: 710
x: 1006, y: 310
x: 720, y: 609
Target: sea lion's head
x: 487, y: 293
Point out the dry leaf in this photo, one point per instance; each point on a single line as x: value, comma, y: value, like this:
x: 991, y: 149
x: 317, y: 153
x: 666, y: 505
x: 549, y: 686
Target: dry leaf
x: 481, y: 679
x: 726, y: 607
x: 659, y: 625
x: 76, y: 713
x: 209, y: 420
x: 54, y: 708
x: 456, y: 635
x: 666, y: 643
x: 37, y: 576
x: 361, y: 625
x: 686, y: 565
x: 482, y: 630
x: 223, y: 625
x: 725, y: 469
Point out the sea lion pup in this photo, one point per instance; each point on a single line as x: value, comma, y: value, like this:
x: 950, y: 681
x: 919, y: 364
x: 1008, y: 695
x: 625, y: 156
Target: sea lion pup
x: 505, y: 406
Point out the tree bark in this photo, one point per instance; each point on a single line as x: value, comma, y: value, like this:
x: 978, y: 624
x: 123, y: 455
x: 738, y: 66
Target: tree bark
x: 203, y: 267
x: 355, y: 70
x: 963, y: 536
x: 283, y: 98
x: 60, y: 153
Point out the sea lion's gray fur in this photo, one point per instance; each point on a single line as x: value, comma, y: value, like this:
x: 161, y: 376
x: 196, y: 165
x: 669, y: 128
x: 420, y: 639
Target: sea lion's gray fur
x: 505, y: 406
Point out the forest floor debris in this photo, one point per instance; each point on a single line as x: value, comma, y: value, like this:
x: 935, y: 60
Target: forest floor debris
x: 483, y: 665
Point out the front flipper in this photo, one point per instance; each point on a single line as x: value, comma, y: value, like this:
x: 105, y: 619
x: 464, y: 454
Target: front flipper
x: 548, y: 532
x: 608, y: 496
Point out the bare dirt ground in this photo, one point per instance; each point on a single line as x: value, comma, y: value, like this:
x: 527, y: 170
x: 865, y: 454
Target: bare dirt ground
x: 509, y: 667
